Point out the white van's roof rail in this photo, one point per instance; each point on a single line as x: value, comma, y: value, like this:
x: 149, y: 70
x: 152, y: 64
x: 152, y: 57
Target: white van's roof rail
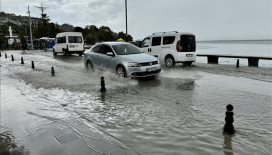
x: 165, y: 32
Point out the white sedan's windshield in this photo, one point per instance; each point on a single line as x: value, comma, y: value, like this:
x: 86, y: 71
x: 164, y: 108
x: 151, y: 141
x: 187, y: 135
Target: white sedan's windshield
x: 124, y: 49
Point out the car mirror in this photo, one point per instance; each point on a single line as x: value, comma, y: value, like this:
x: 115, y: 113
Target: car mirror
x: 145, y: 45
x: 110, y: 54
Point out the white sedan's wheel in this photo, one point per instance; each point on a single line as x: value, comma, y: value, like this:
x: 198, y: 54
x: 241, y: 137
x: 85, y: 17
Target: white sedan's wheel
x: 121, y: 71
x: 89, y: 65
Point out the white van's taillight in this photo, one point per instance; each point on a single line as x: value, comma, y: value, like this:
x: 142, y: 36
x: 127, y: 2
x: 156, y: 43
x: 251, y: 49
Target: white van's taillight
x: 67, y: 46
x: 178, y: 46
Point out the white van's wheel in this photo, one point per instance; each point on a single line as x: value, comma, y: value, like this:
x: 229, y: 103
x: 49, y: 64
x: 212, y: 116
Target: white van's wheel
x: 169, y: 61
x: 64, y: 52
x: 54, y: 52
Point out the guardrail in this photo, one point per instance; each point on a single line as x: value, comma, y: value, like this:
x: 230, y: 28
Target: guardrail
x: 252, y: 60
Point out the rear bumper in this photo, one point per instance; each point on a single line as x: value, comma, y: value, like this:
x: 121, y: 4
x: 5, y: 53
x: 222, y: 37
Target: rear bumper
x: 181, y: 57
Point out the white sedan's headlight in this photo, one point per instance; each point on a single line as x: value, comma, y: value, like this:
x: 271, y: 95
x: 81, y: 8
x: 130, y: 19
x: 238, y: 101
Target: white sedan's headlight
x: 134, y: 64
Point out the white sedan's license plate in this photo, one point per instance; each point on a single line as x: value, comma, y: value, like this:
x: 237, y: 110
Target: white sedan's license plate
x: 189, y: 55
x: 151, y: 69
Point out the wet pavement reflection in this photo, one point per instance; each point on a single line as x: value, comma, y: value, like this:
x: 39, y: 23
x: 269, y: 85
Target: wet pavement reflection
x: 180, y: 111
x: 227, y: 144
x: 8, y: 145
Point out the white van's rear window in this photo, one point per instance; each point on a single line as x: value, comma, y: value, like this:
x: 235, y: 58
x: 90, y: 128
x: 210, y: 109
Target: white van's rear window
x: 75, y: 39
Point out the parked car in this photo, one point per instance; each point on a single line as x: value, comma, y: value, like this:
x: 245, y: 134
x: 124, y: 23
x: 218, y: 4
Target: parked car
x: 124, y: 58
x: 171, y: 47
x: 69, y: 43
x: 138, y: 42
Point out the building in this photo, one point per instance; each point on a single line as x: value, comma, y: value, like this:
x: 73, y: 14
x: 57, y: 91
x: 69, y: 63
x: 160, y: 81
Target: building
x: 67, y: 27
x: 4, y: 20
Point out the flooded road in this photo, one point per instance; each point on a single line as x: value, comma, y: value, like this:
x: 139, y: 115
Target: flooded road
x: 181, y: 111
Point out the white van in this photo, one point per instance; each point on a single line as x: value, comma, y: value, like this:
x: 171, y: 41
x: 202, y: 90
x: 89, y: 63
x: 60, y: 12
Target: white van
x: 171, y: 47
x: 69, y: 43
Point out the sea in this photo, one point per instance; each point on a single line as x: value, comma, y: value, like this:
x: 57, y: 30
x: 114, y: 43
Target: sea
x: 236, y: 47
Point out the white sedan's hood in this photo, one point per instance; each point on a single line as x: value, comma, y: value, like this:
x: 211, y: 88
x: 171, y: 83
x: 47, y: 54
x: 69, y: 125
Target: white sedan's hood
x: 140, y: 58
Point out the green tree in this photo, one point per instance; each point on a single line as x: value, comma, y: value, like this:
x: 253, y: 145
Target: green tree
x: 3, y: 31
x: 78, y: 29
x: 124, y: 36
x: 42, y: 30
x: 54, y: 30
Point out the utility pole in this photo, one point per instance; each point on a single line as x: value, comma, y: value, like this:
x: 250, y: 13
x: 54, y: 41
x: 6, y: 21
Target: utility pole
x: 42, y: 8
x: 28, y: 12
x: 126, y: 21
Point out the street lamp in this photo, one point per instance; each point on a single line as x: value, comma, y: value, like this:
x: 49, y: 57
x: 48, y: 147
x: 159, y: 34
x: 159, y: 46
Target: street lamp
x: 126, y: 20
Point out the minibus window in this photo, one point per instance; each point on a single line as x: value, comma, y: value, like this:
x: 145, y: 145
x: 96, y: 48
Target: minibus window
x: 156, y: 41
x: 75, y: 39
x: 168, y: 40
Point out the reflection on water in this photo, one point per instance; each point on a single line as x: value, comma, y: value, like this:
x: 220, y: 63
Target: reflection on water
x: 227, y: 144
x: 148, y: 82
x: 8, y: 145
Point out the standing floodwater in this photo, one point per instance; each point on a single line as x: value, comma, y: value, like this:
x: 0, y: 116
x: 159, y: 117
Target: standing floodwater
x: 181, y: 111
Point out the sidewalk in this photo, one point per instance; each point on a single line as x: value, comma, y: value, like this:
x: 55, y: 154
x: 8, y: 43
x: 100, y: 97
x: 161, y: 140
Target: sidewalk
x: 67, y: 139
x: 48, y: 128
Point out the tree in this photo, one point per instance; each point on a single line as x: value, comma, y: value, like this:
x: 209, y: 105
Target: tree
x: 54, y: 30
x: 45, y: 19
x: 78, y: 29
x: 4, y: 31
x: 42, y: 30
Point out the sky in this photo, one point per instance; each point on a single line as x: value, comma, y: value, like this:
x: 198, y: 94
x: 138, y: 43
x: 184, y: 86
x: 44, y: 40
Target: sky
x: 207, y: 19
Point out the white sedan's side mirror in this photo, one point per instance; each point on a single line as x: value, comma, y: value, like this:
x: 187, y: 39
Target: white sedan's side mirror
x: 110, y: 54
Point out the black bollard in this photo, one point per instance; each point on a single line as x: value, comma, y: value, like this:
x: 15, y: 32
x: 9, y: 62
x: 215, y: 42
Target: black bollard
x: 237, y: 64
x: 102, y: 84
x: 22, y: 60
x: 12, y: 58
x: 6, y: 55
x: 52, y: 71
x: 229, y: 128
x: 33, y: 64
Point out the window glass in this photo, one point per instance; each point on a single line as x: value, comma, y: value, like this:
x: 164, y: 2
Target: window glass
x: 156, y: 41
x: 168, y: 40
x: 97, y: 49
x: 59, y: 40
x: 107, y: 49
x: 63, y: 39
x: 125, y: 49
x: 75, y: 39
x: 145, y: 43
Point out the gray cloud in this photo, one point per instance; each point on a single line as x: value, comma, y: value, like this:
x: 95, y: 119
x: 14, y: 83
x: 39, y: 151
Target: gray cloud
x: 209, y: 19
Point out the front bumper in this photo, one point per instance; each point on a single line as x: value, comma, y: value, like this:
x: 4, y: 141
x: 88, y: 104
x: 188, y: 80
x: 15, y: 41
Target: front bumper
x: 142, y: 71
x: 145, y: 74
